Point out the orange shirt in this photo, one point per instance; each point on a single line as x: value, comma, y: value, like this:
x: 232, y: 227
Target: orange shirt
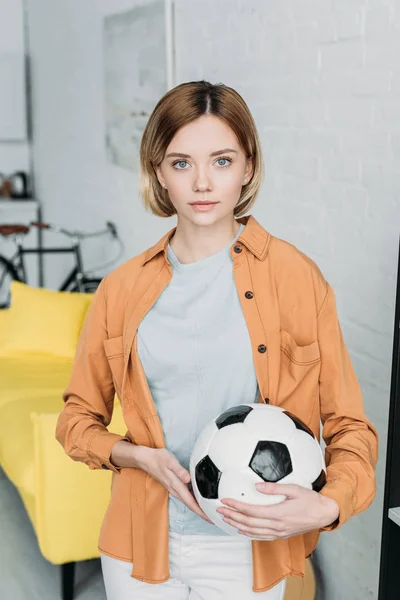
x: 301, y: 364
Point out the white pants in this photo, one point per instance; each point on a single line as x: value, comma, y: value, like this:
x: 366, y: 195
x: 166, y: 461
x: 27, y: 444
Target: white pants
x: 202, y: 567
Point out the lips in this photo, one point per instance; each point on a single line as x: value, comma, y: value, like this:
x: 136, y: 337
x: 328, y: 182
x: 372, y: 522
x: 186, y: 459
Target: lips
x: 203, y: 206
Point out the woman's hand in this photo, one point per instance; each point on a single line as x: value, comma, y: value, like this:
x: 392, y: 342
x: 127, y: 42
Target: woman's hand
x: 163, y: 466
x: 302, y: 511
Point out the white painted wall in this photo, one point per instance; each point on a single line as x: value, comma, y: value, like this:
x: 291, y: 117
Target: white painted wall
x: 322, y: 80
x: 14, y: 155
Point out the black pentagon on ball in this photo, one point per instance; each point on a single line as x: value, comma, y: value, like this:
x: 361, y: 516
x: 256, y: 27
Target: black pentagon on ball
x: 299, y: 423
x: 271, y: 461
x: 236, y: 414
x: 207, y: 478
x: 319, y: 482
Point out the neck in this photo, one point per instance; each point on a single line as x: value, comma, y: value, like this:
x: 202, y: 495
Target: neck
x: 191, y: 243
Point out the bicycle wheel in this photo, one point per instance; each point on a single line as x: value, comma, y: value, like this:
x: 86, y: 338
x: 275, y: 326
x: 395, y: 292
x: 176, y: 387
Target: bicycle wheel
x: 89, y: 286
x: 8, y: 274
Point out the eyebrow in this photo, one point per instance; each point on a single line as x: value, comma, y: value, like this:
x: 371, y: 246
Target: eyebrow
x: 223, y: 151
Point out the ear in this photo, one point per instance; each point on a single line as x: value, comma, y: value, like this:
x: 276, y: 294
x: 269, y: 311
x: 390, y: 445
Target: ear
x: 159, y: 175
x: 249, y: 168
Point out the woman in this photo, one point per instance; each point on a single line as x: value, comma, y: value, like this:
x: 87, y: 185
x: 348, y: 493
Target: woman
x: 217, y: 313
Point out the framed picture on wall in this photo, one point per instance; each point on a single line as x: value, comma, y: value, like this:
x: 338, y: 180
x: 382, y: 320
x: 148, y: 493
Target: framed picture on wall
x: 139, y: 68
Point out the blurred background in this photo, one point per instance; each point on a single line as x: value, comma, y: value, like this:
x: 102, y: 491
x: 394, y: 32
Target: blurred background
x: 78, y: 81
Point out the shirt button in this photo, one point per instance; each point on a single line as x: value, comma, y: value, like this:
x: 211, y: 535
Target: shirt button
x: 104, y: 467
x: 262, y: 348
x: 249, y: 295
x: 237, y: 249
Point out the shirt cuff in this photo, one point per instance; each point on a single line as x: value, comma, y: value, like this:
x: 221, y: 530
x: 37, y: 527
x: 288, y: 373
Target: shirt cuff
x: 100, y: 447
x: 342, y: 492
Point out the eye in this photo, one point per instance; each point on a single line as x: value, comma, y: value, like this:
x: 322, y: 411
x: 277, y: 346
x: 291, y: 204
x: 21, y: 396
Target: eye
x: 229, y: 160
x: 179, y: 162
x: 182, y: 162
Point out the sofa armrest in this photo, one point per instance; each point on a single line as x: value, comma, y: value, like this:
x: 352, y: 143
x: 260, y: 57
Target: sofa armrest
x: 70, y: 498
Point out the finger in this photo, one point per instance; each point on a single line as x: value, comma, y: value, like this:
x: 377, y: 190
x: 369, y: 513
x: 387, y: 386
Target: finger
x: 260, y: 535
x: 185, y: 477
x: 194, y: 506
x: 180, y: 471
x: 290, y: 490
x: 265, y: 533
x: 255, y: 532
x: 272, y: 511
x: 189, y: 500
x: 242, y: 521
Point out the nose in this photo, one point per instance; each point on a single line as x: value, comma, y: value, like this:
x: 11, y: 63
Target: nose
x: 202, y: 181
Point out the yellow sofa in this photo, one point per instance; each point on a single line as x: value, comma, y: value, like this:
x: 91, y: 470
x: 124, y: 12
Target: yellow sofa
x: 64, y: 499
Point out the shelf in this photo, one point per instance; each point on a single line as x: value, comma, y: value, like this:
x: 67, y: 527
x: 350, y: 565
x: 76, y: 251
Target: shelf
x: 17, y: 201
x: 394, y: 515
x: 18, y: 204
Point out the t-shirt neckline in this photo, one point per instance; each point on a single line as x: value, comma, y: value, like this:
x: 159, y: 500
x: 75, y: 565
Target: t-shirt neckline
x: 204, y: 262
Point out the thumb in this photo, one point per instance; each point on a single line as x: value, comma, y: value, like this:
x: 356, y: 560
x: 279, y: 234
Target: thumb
x: 286, y: 489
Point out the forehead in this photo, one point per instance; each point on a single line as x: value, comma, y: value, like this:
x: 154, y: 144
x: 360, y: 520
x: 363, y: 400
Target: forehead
x: 204, y: 135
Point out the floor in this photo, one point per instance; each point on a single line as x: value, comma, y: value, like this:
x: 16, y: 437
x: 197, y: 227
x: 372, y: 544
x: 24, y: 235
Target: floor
x: 24, y: 573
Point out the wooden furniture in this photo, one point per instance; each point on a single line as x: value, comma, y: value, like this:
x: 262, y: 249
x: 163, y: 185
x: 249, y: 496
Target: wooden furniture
x: 389, y: 587
x: 302, y: 589
x: 23, y: 212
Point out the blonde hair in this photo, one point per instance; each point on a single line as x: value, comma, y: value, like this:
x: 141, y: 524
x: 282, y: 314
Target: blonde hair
x: 179, y: 106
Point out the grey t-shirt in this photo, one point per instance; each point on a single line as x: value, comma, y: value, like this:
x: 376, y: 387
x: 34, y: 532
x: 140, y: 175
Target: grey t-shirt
x: 196, y: 353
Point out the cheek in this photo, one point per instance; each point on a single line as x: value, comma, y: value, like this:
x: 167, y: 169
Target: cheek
x: 232, y: 178
x: 176, y: 185
x: 231, y: 186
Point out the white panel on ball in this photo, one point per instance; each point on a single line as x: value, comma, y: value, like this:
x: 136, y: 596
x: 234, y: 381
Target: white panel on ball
x: 206, y: 436
x: 240, y: 484
x: 307, y: 464
x: 270, y: 425
x: 232, y: 446
x: 252, y: 443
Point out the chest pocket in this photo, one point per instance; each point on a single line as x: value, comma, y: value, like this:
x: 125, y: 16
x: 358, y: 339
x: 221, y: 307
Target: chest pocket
x: 299, y: 354
x: 114, y: 350
x: 298, y: 378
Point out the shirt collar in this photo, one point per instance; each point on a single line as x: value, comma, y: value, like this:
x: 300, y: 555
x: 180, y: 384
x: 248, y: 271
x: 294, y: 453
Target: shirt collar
x: 254, y: 237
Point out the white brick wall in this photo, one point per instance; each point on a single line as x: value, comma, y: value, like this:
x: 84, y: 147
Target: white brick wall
x: 322, y: 80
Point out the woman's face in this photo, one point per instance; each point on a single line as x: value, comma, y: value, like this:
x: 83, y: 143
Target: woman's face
x: 195, y: 169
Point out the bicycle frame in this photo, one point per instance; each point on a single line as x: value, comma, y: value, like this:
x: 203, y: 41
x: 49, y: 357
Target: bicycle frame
x: 76, y: 274
x: 77, y: 279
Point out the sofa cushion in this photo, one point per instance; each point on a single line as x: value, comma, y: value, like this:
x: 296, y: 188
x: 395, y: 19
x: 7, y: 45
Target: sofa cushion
x: 42, y: 321
x: 27, y: 384
x: 29, y: 376
x: 32, y: 384
x: 16, y: 437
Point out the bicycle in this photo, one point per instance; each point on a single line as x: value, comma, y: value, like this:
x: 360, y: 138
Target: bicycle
x: 78, y: 280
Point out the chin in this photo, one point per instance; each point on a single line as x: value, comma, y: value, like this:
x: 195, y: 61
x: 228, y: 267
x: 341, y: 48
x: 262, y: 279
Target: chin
x: 215, y: 214
x: 207, y: 219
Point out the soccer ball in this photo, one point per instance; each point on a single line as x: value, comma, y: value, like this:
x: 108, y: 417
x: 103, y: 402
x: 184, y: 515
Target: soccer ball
x: 251, y: 443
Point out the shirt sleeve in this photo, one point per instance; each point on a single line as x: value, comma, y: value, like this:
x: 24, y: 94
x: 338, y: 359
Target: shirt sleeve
x: 351, y: 452
x: 89, y: 397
